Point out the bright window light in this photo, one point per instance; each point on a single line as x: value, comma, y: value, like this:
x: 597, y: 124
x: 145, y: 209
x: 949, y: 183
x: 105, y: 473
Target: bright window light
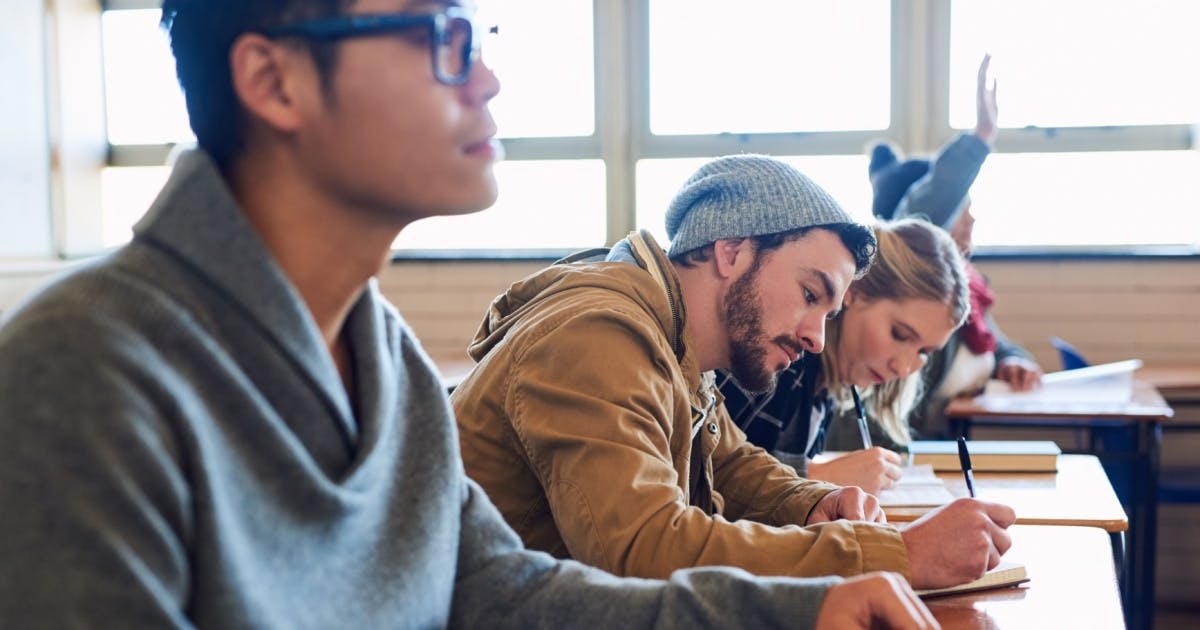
x: 759, y: 66
x: 543, y: 57
x: 144, y: 103
x: 544, y: 204
x: 1078, y: 62
x: 1088, y: 199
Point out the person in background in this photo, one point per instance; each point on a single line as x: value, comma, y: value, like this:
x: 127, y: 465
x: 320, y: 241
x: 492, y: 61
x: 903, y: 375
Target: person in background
x: 903, y: 310
x: 225, y: 425
x: 593, y: 421
x: 937, y: 190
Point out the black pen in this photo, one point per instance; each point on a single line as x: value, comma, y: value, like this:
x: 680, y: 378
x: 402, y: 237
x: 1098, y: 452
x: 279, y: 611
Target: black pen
x: 862, y: 418
x: 964, y: 459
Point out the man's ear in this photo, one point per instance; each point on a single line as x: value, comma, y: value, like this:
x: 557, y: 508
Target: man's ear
x: 732, y: 256
x: 268, y: 79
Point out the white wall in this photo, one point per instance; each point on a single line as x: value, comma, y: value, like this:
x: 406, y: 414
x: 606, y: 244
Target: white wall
x: 24, y: 150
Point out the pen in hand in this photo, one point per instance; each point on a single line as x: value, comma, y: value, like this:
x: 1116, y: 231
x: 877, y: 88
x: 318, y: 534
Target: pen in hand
x: 862, y: 418
x: 964, y: 459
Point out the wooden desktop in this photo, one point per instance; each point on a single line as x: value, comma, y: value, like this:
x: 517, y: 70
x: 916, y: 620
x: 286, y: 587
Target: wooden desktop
x: 1143, y: 417
x: 1072, y: 584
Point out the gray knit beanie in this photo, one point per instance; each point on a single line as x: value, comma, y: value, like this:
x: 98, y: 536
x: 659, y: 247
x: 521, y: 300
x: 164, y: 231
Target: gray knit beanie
x: 739, y: 196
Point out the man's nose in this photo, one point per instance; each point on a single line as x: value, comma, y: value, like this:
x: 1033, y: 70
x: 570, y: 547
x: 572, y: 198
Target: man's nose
x: 812, y: 334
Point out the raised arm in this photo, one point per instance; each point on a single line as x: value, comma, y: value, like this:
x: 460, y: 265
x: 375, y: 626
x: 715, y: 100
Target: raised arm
x: 939, y: 195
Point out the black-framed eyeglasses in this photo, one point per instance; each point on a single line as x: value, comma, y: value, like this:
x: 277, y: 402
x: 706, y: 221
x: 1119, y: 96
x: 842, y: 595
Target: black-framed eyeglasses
x: 454, y: 39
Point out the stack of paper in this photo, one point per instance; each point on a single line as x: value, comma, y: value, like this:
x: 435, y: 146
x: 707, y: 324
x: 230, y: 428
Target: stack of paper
x: 1106, y: 383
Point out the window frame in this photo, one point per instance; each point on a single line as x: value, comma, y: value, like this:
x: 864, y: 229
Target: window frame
x: 920, y: 77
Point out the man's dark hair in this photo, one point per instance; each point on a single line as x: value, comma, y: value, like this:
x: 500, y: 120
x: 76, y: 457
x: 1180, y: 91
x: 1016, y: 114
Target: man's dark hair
x: 202, y: 33
x: 859, y: 239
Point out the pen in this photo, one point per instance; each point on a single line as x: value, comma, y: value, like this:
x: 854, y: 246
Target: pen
x: 964, y: 459
x: 862, y: 418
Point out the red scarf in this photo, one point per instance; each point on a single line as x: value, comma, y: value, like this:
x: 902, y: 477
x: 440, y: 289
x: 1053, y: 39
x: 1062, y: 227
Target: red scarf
x: 974, y: 331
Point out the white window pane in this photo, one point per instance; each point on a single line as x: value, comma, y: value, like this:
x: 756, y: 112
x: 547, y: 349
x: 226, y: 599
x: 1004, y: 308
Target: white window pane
x: 769, y: 66
x: 144, y: 102
x: 543, y: 57
x: 843, y: 176
x: 125, y: 195
x: 1078, y: 62
x: 1111, y: 198
x: 542, y: 205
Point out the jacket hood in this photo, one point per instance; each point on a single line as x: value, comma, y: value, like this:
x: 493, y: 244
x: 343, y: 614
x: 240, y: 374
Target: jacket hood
x: 619, y: 270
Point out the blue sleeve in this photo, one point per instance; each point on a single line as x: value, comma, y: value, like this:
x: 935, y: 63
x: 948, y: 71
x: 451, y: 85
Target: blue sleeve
x: 938, y: 196
x: 502, y: 585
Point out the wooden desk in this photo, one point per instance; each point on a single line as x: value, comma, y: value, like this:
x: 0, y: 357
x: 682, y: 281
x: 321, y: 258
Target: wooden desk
x: 1078, y: 494
x: 1132, y: 467
x: 1174, y: 382
x: 1072, y: 584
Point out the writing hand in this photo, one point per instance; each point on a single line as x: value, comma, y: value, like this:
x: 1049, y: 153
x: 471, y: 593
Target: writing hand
x: 874, y: 600
x: 850, y: 503
x: 958, y: 542
x: 872, y: 469
x: 1020, y: 374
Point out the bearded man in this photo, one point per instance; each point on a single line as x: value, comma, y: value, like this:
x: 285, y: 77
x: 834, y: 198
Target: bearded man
x: 592, y: 420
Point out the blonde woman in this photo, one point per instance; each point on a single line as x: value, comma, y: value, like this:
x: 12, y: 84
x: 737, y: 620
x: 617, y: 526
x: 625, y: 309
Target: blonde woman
x: 905, y: 308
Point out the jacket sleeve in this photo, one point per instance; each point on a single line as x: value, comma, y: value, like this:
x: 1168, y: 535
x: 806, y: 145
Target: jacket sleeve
x: 94, y: 506
x: 591, y: 406
x: 502, y: 585
x: 757, y: 486
x: 938, y: 196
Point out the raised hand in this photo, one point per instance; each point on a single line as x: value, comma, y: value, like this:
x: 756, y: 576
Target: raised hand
x: 986, y: 110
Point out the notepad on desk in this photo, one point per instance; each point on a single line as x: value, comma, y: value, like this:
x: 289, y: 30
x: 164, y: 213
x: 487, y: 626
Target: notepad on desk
x: 918, y: 487
x: 989, y: 455
x: 1004, y: 575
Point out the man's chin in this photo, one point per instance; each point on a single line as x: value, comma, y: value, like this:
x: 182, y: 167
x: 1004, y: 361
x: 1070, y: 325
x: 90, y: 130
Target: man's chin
x: 761, y: 383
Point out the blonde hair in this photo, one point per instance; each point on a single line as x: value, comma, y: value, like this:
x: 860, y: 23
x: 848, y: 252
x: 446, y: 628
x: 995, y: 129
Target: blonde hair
x: 916, y: 260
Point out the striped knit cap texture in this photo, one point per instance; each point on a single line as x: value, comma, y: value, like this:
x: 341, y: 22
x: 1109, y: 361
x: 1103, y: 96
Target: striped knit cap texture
x: 740, y: 196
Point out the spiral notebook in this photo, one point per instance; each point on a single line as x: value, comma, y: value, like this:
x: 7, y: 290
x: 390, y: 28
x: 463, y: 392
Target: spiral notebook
x: 1005, y: 574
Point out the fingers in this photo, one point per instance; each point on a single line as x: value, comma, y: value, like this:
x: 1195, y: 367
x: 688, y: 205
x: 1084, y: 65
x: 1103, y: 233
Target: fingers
x: 1001, y: 514
x: 887, y: 455
x: 983, y: 70
x: 874, y: 600
x: 903, y: 609
x: 872, y: 510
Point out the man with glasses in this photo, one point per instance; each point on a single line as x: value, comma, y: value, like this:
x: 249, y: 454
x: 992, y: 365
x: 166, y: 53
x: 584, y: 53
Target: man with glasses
x: 223, y: 424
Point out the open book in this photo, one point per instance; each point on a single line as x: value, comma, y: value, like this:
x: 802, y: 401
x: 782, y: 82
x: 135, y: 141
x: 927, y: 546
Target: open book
x: 918, y: 487
x: 1005, y: 574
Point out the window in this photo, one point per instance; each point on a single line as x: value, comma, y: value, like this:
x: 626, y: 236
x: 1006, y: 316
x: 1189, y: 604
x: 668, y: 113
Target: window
x: 607, y: 107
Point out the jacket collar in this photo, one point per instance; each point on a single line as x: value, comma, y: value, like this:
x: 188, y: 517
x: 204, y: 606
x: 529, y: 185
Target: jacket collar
x: 645, y: 252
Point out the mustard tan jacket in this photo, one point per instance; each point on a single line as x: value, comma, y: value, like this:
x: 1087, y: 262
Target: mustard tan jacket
x: 580, y: 421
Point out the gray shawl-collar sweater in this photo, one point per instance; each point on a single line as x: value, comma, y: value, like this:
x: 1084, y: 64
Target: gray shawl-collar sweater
x: 177, y: 450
